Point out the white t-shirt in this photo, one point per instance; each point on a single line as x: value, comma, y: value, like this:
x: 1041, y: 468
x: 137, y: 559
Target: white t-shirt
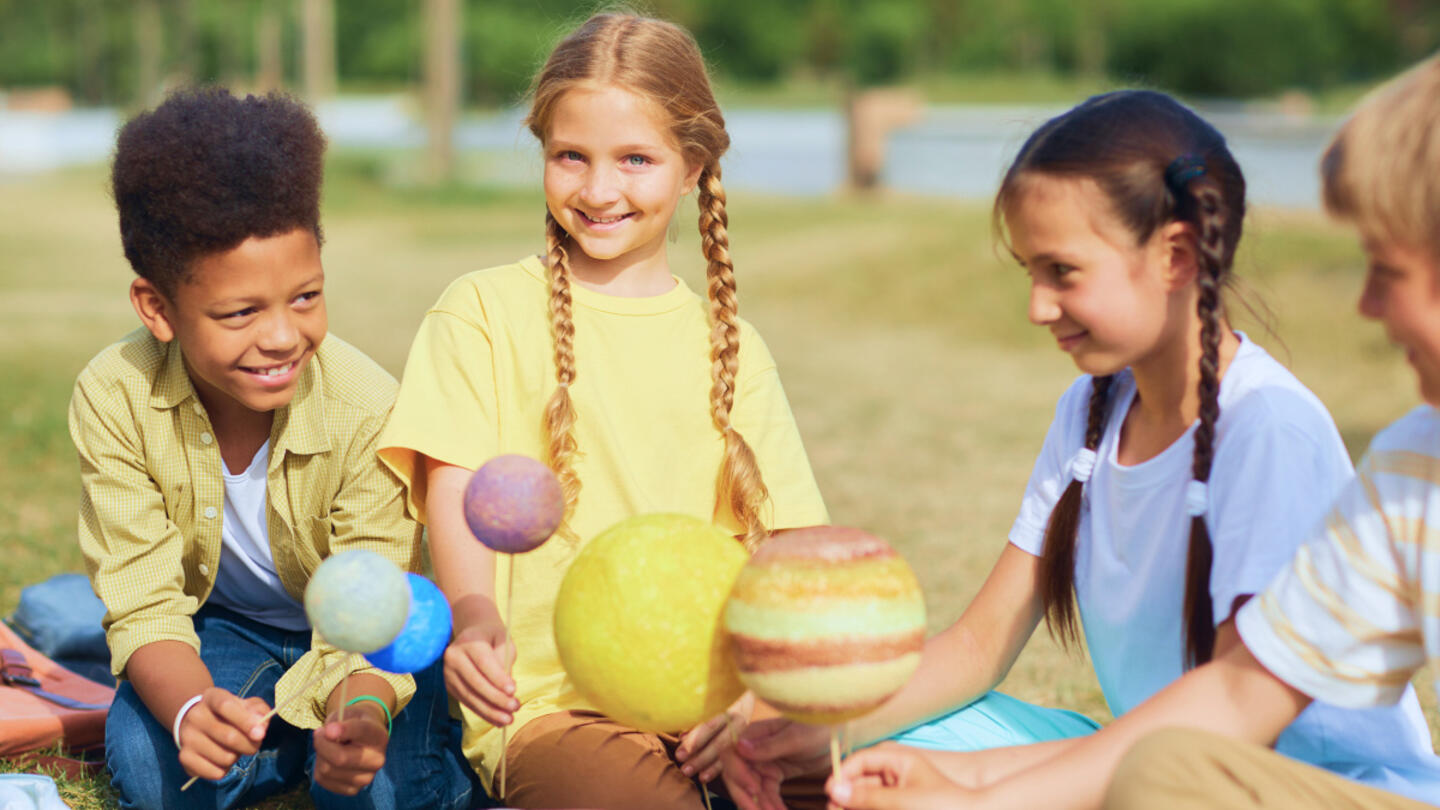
x: 247, y: 582
x: 1278, y: 462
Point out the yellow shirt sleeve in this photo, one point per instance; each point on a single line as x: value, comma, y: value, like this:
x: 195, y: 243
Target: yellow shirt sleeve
x: 132, y: 548
x: 762, y: 415
x: 447, y: 408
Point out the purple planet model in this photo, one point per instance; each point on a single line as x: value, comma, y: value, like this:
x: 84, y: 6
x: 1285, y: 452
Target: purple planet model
x: 425, y: 634
x: 513, y: 503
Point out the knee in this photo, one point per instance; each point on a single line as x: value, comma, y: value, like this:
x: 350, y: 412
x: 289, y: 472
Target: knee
x: 138, y: 753
x: 1153, y: 767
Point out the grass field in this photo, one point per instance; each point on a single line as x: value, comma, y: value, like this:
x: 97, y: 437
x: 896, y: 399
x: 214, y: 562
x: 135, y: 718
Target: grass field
x: 920, y: 388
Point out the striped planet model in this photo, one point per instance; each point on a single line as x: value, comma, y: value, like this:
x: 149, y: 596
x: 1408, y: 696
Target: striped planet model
x: 826, y: 623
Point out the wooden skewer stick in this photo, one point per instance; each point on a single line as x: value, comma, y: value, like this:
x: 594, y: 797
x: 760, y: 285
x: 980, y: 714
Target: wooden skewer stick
x: 305, y: 687
x: 509, y: 668
x: 344, y: 696
x: 835, y: 751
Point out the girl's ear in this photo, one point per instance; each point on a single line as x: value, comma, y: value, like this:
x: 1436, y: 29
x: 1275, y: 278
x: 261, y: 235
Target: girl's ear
x: 692, y: 177
x: 155, y: 309
x: 1180, y: 254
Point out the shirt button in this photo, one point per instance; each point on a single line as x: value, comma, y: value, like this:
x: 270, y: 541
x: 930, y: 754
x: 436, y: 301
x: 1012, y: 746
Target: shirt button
x: 204, y: 569
x: 206, y: 438
x: 210, y: 512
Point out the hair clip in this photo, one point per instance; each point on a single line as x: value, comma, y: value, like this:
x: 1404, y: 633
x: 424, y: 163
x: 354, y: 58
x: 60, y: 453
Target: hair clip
x: 1182, y: 170
x: 1082, y: 464
x: 1197, y: 498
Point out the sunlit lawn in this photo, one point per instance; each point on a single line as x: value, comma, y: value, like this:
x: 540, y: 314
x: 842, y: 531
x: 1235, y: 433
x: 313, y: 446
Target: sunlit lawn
x: 922, y: 392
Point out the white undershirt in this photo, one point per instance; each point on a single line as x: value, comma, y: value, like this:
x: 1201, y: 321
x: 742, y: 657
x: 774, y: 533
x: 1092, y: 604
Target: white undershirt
x: 246, y: 582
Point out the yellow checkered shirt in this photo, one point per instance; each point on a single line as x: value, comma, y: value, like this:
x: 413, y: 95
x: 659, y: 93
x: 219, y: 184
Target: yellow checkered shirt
x: 152, y: 496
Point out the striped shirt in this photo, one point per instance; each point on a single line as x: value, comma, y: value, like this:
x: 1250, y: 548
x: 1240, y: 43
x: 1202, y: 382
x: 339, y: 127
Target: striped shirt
x: 1357, y: 612
x: 152, y: 496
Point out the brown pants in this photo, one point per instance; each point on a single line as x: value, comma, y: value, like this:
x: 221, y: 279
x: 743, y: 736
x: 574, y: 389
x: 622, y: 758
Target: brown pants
x: 1183, y: 770
x: 584, y: 759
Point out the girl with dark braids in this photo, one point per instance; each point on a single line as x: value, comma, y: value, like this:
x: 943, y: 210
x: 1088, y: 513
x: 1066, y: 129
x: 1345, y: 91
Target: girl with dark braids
x: 639, y: 394
x: 1177, y: 478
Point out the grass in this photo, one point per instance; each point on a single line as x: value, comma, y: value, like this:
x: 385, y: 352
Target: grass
x: 921, y: 391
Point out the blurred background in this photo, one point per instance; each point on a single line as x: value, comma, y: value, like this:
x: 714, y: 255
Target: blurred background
x: 868, y: 137
x: 961, y: 78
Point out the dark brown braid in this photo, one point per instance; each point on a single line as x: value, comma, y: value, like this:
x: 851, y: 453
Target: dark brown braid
x: 560, y: 410
x: 1209, y: 217
x: 1057, y: 559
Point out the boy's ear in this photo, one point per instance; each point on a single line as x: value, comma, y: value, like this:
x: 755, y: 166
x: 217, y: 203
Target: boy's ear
x: 1181, y: 259
x: 155, y: 309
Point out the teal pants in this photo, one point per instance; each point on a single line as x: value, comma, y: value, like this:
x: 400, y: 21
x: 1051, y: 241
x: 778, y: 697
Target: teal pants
x: 996, y: 721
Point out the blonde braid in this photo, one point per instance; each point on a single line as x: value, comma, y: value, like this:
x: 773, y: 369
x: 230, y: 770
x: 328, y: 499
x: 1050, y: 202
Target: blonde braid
x: 740, y: 484
x: 560, y: 411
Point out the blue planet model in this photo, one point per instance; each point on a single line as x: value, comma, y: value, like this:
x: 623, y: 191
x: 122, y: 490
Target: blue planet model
x: 426, y: 631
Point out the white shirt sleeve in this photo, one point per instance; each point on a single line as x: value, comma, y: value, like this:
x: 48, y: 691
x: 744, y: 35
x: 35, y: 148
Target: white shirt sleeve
x: 1275, y: 473
x: 1340, y: 622
x: 1051, y: 473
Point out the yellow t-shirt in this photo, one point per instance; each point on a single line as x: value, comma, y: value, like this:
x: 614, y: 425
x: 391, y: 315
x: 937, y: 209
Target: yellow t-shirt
x: 479, y: 375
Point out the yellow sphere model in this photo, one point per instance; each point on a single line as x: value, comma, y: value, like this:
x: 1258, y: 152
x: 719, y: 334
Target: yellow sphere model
x: 637, y: 622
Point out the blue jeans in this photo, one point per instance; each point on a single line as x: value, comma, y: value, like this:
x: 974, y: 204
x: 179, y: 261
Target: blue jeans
x: 424, y: 767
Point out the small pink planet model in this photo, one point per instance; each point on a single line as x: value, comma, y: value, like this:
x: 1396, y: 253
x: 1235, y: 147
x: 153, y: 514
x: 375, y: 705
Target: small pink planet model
x: 513, y: 504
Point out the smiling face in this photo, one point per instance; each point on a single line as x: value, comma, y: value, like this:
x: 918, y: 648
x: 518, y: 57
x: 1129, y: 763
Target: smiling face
x: 613, y: 178
x: 1106, y: 300
x: 1402, y: 292
x: 247, y: 320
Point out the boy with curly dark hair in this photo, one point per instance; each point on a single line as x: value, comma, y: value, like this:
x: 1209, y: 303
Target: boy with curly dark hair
x: 226, y: 448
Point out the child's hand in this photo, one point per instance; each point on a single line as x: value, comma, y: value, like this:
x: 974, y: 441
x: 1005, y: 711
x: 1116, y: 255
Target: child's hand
x: 348, y: 754
x: 477, y: 664
x: 701, y: 748
x: 892, y: 776
x: 218, y: 730
x: 769, y: 752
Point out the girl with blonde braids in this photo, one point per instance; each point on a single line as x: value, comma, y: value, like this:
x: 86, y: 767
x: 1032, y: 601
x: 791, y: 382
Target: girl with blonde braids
x: 641, y: 395
x: 1179, y: 475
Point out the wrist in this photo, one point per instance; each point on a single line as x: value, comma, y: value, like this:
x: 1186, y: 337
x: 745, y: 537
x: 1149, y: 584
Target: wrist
x: 375, y: 708
x: 474, y: 610
x: 180, y: 717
